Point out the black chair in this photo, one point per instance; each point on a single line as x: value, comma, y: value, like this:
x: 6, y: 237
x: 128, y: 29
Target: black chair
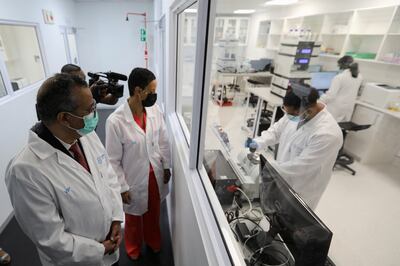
x: 343, y: 159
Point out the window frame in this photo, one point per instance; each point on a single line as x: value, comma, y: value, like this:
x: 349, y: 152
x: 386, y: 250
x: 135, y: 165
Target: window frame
x: 11, y: 94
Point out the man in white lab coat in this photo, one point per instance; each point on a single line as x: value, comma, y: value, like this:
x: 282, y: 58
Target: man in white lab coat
x: 63, y: 189
x: 309, y: 140
x: 342, y: 94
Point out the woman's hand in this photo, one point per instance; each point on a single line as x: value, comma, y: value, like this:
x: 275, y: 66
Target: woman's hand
x: 126, y: 197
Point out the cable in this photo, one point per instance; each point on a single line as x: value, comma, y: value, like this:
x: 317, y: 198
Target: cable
x: 244, y: 218
x: 251, y: 206
x: 261, y: 250
x: 245, y: 242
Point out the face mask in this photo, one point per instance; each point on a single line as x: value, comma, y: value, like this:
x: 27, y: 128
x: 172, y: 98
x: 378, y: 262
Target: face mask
x: 150, y: 100
x: 294, y: 118
x: 90, y: 122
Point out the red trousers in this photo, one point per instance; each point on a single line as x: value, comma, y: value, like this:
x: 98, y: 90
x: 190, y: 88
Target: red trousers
x: 145, y: 227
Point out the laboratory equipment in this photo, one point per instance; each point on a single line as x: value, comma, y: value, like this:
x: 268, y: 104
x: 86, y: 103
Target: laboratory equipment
x: 292, y: 64
x: 380, y: 95
x: 322, y: 80
x: 262, y: 64
x: 307, y: 238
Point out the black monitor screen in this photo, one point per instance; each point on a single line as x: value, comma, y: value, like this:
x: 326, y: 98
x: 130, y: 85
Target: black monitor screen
x: 307, y: 238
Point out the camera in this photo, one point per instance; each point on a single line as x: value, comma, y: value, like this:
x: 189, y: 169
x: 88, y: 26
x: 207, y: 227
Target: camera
x: 108, y: 80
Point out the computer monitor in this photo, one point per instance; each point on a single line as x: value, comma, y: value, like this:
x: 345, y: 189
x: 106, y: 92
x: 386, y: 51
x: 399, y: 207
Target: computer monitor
x: 307, y: 238
x: 322, y: 80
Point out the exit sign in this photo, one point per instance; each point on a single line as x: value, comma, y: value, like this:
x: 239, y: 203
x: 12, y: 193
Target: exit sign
x: 143, y: 35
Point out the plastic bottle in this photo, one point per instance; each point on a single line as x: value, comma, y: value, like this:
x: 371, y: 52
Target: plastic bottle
x: 302, y: 34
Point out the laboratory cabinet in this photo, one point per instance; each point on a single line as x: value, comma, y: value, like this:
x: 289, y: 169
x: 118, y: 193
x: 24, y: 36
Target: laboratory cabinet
x: 378, y: 144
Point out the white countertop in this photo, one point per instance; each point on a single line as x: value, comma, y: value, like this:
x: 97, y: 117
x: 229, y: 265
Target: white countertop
x: 379, y: 109
x: 246, y: 74
x: 265, y: 94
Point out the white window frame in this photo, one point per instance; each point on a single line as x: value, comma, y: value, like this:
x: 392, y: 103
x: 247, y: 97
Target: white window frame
x: 11, y: 94
x: 217, y: 230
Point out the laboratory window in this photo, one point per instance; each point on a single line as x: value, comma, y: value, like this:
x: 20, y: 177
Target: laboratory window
x: 3, y: 91
x: 186, y: 51
x: 20, y: 51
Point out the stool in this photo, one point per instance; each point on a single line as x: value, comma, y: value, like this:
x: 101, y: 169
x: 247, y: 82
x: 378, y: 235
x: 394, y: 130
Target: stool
x: 343, y: 159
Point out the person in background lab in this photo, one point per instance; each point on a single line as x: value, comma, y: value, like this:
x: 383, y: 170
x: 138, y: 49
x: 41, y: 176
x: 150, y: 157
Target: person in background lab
x: 63, y: 189
x: 341, y: 96
x: 99, y: 88
x: 139, y: 150
x: 309, y: 139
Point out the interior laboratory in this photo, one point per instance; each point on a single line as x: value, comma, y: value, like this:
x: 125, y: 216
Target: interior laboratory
x: 280, y: 119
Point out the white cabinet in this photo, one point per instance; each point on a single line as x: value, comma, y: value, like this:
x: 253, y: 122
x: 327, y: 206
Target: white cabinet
x: 377, y: 144
x: 231, y: 28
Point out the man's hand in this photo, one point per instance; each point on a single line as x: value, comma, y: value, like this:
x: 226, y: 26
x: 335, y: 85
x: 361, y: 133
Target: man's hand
x: 126, y: 197
x: 109, y: 247
x: 99, y: 92
x: 114, y: 238
x: 167, y: 175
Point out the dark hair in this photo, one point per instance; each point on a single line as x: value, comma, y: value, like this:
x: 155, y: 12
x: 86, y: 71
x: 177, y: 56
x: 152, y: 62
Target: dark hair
x: 292, y: 100
x: 345, y: 61
x: 70, y: 68
x: 139, y: 77
x: 55, y: 96
x: 354, y: 70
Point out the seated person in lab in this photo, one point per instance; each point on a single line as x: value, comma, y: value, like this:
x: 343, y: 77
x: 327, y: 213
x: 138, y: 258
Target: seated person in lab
x: 139, y: 150
x: 309, y: 140
x: 63, y: 189
x: 99, y: 88
x: 342, y: 94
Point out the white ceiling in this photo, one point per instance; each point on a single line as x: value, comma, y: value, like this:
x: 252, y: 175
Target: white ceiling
x: 228, y: 6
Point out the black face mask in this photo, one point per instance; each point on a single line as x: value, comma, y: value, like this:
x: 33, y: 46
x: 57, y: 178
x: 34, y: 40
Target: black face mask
x: 150, y: 100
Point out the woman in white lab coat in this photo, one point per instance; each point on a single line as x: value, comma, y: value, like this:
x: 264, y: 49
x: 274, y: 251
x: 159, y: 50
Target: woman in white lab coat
x: 341, y: 96
x: 309, y: 140
x: 139, y: 150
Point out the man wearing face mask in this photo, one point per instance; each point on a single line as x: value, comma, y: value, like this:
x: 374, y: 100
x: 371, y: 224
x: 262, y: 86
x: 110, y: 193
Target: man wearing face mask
x: 139, y: 150
x: 63, y: 189
x: 309, y: 140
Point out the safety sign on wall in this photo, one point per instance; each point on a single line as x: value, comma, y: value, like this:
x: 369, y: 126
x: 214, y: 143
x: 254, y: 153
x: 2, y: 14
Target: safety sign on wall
x: 143, y: 35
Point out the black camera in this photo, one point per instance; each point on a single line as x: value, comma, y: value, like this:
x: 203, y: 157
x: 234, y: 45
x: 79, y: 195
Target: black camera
x: 111, y: 83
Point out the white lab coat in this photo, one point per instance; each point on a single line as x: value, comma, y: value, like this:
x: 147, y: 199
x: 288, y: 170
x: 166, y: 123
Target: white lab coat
x: 306, y: 155
x: 66, y: 211
x: 341, y: 96
x: 131, y: 151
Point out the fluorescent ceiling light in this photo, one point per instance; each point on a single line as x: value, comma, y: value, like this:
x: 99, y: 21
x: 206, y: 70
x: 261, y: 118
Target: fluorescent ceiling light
x: 190, y: 10
x: 244, y: 11
x: 280, y: 2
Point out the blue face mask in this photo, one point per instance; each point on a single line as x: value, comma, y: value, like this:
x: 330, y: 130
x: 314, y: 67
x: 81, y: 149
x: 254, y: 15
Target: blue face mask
x: 294, y: 118
x: 90, y: 122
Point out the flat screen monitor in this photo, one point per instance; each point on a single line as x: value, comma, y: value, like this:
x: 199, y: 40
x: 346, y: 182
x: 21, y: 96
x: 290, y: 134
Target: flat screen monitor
x: 307, y: 238
x: 322, y: 80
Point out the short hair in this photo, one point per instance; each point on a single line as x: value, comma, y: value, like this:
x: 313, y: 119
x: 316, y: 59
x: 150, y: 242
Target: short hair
x: 55, y: 96
x: 70, y: 68
x: 139, y: 77
x: 292, y: 100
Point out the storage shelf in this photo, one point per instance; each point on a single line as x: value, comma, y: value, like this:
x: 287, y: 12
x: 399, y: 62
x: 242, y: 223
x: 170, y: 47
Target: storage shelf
x: 330, y: 56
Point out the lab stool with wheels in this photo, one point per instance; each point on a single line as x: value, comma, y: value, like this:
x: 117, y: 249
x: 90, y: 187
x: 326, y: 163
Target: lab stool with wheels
x: 343, y: 159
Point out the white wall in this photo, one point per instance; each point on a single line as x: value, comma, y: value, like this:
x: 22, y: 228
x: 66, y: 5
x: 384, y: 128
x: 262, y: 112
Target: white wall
x: 17, y: 115
x: 107, y: 42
